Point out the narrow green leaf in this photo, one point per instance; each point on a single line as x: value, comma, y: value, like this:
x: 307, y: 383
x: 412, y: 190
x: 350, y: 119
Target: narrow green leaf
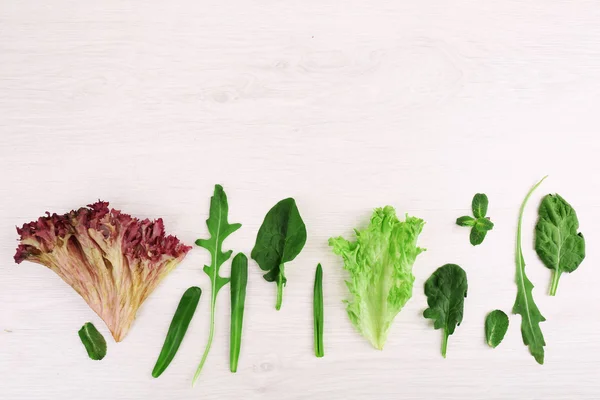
x: 280, y: 239
x: 219, y: 230
x: 479, y: 205
x: 465, y: 221
x: 524, y: 304
x: 94, y: 342
x: 239, y: 280
x: 318, y: 312
x: 557, y: 242
x: 496, y: 325
x: 446, y: 290
x: 179, y: 325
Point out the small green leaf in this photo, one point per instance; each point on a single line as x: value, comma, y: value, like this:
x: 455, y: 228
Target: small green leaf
x: 280, y: 239
x: 465, y: 221
x: 94, y: 342
x: 446, y: 290
x: 557, y: 242
x: 179, y: 325
x: 477, y: 236
x: 479, y: 205
x: 496, y: 325
x: 239, y: 280
x: 484, y: 224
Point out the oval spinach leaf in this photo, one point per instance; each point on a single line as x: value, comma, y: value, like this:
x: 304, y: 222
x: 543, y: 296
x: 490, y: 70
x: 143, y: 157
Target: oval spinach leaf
x: 446, y: 290
x: 557, y: 242
x: 479, y: 205
x: 496, y: 325
x: 94, y: 342
x: 280, y: 239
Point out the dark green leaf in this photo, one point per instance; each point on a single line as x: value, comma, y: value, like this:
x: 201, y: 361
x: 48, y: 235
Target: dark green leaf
x: 479, y: 205
x: 280, y: 239
x: 496, y: 325
x: 557, y: 242
x: 94, y: 342
x: 484, y: 224
x: 179, y: 325
x: 465, y: 221
x: 239, y: 280
x: 524, y: 304
x: 477, y: 236
x: 318, y: 312
x: 446, y: 290
x: 219, y: 230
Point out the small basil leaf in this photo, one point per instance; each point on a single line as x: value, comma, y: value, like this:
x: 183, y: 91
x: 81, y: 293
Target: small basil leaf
x: 484, y: 224
x: 94, y: 342
x: 465, y: 221
x: 479, y: 205
x: 477, y: 236
x: 496, y: 325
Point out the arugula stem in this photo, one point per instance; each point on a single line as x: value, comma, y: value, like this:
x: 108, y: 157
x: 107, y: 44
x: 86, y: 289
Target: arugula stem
x: 280, y: 278
x: 211, y: 334
x: 444, y: 344
x: 555, y: 277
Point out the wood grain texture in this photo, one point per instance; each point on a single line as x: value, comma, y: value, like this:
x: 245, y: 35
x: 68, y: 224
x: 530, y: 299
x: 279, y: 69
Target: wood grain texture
x: 344, y: 105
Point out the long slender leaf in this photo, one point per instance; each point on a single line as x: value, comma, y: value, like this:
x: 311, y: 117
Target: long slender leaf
x: 318, y: 312
x: 239, y: 280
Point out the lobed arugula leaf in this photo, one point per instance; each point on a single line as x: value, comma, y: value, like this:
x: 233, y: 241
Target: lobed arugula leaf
x: 219, y: 230
x: 524, y: 304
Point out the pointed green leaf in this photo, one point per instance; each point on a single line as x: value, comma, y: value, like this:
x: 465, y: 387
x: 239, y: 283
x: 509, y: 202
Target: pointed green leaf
x: 318, y: 312
x: 94, y: 342
x: 465, y: 221
x: 239, y: 280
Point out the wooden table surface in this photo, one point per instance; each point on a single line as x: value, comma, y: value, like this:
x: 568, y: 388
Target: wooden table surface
x: 343, y: 105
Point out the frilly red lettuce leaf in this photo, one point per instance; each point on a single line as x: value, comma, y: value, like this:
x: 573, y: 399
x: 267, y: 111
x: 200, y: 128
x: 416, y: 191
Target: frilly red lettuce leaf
x: 113, y: 260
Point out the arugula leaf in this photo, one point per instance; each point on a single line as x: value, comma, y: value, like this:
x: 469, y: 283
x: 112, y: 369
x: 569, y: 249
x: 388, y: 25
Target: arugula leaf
x: 380, y: 263
x: 496, y: 325
x: 524, y: 304
x: 219, y: 229
x: 480, y: 225
x: 179, y: 325
x: 479, y: 205
x: 94, y: 342
x: 557, y: 242
x: 446, y: 290
x: 280, y: 239
x: 239, y: 280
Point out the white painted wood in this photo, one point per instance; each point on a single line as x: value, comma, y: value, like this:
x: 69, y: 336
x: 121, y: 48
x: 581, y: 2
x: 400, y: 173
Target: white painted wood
x: 345, y: 105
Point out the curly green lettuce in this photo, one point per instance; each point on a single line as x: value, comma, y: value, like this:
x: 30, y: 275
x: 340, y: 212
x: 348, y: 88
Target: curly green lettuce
x: 380, y: 264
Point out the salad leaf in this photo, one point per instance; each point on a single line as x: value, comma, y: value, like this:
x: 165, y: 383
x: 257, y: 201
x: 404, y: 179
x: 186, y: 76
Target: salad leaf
x: 219, y: 230
x: 280, y: 239
x: 480, y: 225
x: 446, y: 290
x: 179, y: 325
x: 496, y: 325
x: 380, y: 264
x: 557, y: 242
x: 318, y: 311
x: 94, y: 342
x: 113, y: 260
x: 239, y: 280
x: 524, y: 304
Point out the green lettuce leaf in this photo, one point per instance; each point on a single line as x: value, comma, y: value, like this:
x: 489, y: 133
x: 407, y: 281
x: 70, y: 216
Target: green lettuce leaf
x: 380, y: 264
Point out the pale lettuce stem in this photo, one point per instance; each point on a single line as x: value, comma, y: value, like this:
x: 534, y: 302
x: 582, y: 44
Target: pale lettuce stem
x: 279, y: 288
x: 444, y: 344
x: 211, y: 333
x: 554, y: 286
